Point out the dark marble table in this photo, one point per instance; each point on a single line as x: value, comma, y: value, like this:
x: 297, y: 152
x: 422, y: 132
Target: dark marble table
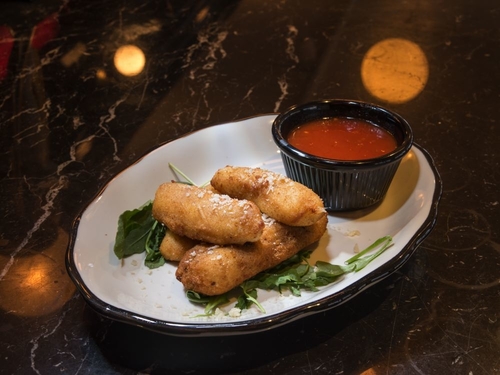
x: 69, y: 121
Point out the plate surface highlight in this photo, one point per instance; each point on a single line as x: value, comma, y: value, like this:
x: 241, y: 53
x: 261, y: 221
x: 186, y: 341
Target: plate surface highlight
x: 128, y: 291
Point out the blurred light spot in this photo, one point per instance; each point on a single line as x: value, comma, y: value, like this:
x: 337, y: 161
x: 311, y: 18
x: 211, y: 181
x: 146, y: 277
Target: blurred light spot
x: 395, y: 70
x: 202, y: 14
x: 73, y: 55
x: 83, y: 148
x: 100, y: 74
x: 129, y: 60
x: 370, y: 371
x: 37, y: 283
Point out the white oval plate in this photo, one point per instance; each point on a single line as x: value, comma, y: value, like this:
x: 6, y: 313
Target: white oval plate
x: 128, y: 291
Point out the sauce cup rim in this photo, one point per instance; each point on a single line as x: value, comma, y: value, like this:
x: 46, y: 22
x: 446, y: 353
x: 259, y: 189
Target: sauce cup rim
x: 325, y: 163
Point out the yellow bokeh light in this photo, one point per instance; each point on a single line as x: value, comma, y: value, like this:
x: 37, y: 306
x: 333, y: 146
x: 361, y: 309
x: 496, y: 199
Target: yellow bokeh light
x: 37, y: 283
x: 100, y: 73
x: 395, y: 70
x: 202, y: 14
x: 129, y: 60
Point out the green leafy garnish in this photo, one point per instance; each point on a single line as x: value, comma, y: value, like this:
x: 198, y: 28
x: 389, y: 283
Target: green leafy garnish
x: 178, y: 171
x: 133, y: 230
x: 188, y: 180
x: 294, y: 274
x: 359, y: 262
x: 139, y: 231
x: 154, y: 259
x: 249, y: 296
x: 211, y: 302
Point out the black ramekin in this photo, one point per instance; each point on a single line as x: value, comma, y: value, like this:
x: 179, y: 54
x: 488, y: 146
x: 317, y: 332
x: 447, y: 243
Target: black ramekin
x: 343, y: 185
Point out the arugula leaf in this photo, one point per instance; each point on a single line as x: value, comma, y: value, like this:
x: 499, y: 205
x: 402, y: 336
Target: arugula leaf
x: 178, y: 171
x: 196, y: 297
x: 154, y: 259
x: 294, y: 277
x: 249, y: 296
x: 182, y: 174
x: 294, y: 274
x: 138, y: 232
x: 327, y: 273
x: 211, y: 302
x: 358, y: 262
x: 133, y: 230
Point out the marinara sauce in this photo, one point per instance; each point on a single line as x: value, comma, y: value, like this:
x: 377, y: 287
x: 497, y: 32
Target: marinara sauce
x: 342, y: 138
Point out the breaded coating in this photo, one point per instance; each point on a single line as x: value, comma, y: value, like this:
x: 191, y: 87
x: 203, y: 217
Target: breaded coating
x: 173, y: 247
x: 214, y: 270
x: 206, y: 216
x: 209, y: 187
x: 276, y: 195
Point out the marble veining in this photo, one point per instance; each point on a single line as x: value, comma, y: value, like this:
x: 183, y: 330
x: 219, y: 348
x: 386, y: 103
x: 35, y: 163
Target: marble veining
x: 70, y: 120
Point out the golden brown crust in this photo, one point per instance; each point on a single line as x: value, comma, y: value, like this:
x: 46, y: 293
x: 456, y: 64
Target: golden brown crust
x: 173, y: 247
x: 206, y: 216
x: 278, y: 196
x: 214, y: 270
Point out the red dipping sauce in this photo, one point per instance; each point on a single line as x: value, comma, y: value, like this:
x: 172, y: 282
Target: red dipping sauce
x: 342, y: 138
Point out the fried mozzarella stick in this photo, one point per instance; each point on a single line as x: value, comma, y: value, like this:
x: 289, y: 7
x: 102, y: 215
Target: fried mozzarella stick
x: 203, y: 215
x: 173, y: 247
x: 277, y: 196
x: 214, y: 270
